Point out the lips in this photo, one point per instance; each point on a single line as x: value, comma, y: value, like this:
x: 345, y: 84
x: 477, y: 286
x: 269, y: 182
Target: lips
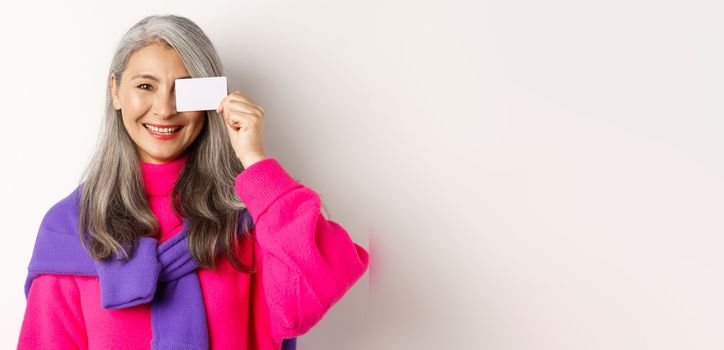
x: 154, y: 132
x: 163, y: 126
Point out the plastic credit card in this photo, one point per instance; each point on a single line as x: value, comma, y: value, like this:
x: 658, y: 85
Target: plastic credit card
x: 200, y: 94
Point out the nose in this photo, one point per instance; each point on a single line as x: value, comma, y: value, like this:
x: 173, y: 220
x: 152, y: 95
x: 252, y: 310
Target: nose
x: 164, y: 104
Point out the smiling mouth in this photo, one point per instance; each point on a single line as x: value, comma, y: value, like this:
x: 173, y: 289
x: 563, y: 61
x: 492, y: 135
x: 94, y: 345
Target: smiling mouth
x: 161, y: 130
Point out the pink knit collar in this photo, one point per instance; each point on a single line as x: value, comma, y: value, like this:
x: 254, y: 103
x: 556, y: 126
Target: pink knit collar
x: 159, y: 179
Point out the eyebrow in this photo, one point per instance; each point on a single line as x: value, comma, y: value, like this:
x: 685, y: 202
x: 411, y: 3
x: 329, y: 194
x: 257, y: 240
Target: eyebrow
x: 152, y: 77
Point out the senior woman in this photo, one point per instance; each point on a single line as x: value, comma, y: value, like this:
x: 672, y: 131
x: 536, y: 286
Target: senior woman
x: 182, y: 233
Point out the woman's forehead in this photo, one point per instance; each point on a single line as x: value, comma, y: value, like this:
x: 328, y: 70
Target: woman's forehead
x: 156, y: 62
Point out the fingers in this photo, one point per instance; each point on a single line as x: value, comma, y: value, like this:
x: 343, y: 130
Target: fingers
x: 244, y: 108
x: 239, y: 112
x: 240, y: 120
x: 244, y: 102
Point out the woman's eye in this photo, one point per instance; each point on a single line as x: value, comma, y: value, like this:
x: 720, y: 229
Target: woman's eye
x: 142, y: 86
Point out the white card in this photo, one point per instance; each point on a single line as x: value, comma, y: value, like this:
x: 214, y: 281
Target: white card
x: 200, y: 94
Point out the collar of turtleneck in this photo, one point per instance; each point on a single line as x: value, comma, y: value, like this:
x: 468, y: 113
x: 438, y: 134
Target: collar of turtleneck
x: 159, y: 179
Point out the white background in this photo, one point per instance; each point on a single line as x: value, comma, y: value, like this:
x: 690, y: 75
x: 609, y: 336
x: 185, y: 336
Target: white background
x: 526, y: 174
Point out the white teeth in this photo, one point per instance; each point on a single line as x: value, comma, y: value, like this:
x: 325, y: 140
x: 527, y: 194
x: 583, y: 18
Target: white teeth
x: 162, y: 130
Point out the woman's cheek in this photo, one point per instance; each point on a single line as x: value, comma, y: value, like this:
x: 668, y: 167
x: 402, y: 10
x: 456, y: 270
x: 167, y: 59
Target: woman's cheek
x: 139, y: 104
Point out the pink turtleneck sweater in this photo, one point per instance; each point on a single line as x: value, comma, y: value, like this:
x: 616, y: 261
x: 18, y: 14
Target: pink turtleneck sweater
x: 305, y: 264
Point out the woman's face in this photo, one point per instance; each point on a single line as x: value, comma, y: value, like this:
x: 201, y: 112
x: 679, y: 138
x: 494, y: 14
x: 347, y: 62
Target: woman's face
x: 146, y: 97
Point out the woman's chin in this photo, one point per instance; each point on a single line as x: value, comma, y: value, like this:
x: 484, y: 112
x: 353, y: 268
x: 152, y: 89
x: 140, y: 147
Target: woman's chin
x: 160, y: 156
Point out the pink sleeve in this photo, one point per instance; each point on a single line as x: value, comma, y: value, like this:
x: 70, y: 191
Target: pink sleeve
x: 309, y: 262
x: 53, y: 317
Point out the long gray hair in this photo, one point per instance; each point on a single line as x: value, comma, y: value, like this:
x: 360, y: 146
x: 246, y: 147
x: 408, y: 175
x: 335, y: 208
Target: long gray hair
x: 114, y: 211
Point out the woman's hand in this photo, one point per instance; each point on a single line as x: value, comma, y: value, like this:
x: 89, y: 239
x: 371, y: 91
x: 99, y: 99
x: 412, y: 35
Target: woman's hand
x: 245, y: 123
